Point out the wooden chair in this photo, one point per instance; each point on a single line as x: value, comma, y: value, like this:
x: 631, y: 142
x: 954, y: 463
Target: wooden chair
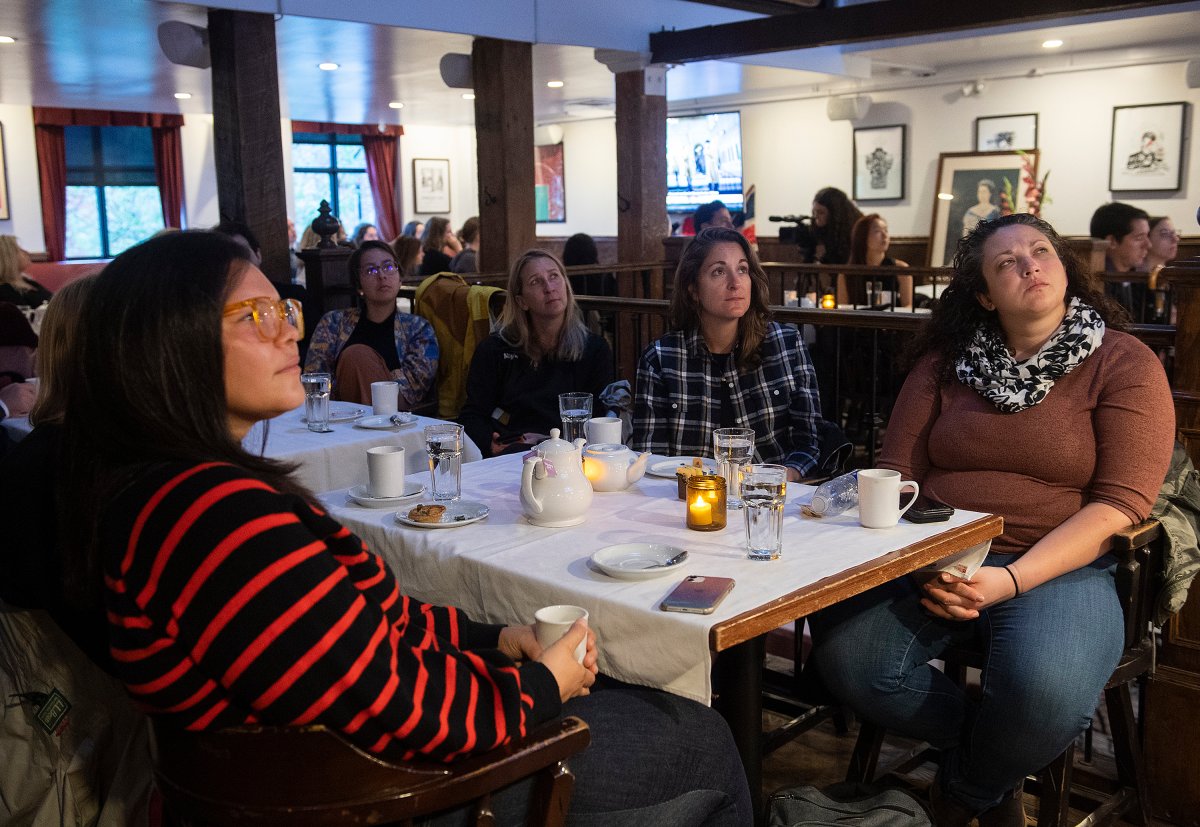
x: 307, y: 776
x: 1139, y: 573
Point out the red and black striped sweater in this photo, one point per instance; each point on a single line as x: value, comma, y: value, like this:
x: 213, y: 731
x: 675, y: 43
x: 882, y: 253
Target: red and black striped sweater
x: 230, y: 603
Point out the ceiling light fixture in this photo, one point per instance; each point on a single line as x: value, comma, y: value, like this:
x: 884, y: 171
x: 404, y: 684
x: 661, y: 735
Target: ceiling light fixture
x: 4, y: 38
x: 1051, y: 44
x: 183, y: 96
x: 395, y: 105
x: 468, y: 96
x: 328, y: 67
x: 555, y: 84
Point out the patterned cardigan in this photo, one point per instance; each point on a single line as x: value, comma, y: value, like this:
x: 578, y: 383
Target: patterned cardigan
x: 416, y: 345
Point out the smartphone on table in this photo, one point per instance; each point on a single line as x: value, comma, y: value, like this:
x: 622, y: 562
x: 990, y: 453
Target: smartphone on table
x: 926, y: 510
x: 697, y: 594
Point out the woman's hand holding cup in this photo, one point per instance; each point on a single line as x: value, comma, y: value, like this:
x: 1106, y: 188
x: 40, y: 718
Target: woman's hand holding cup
x: 573, y: 678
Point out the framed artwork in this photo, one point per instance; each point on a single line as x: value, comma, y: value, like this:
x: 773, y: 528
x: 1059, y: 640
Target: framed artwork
x: 549, y: 188
x: 879, y: 163
x: 1005, y: 132
x: 431, y: 185
x: 970, y: 188
x: 4, y: 216
x: 1147, y: 147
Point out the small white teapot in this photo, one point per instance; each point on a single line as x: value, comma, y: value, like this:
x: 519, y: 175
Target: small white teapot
x: 613, y: 467
x: 554, y: 490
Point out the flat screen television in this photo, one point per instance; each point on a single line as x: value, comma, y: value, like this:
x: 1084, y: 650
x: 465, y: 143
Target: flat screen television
x: 704, y: 161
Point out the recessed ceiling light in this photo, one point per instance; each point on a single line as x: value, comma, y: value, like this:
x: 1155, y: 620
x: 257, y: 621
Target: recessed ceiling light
x: 327, y: 67
x: 395, y: 105
x: 468, y: 96
x: 183, y: 96
x: 4, y: 38
x: 555, y: 84
x: 1051, y: 44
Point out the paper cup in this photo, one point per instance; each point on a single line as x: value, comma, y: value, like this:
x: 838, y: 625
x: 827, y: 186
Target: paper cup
x: 385, y: 398
x: 552, y: 622
x: 385, y: 471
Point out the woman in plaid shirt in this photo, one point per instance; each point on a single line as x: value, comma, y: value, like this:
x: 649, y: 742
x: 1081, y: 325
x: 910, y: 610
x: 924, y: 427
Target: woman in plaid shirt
x: 726, y: 364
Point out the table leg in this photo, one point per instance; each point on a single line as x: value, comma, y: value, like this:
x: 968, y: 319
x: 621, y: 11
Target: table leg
x: 737, y: 678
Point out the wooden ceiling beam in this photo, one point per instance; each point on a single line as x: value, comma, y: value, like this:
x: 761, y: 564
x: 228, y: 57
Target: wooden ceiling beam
x: 762, y: 6
x: 882, y: 20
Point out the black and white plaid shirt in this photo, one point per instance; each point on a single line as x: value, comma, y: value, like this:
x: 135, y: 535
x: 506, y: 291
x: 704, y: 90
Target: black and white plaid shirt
x: 677, y: 403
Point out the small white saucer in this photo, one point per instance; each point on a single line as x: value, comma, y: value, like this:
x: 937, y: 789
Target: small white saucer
x: 361, y: 494
x: 458, y: 512
x: 384, y: 422
x: 637, y: 561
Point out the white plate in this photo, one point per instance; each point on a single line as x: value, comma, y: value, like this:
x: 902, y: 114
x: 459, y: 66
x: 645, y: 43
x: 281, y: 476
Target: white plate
x: 632, y: 561
x: 361, y: 494
x: 666, y: 467
x: 457, y: 513
x: 383, y: 422
x: 342, y: 412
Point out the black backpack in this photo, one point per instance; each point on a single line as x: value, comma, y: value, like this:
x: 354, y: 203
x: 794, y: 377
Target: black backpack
x: 846, y: 805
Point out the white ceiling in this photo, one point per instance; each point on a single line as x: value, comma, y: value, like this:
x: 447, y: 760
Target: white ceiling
x: 104, y: 54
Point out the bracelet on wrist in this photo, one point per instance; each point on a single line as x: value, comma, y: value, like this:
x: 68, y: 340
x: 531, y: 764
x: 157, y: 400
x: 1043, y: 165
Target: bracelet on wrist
x: 1016, y: 585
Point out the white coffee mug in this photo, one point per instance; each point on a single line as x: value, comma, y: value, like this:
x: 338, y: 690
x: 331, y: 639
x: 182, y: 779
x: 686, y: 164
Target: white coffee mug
x: 385, y: 471
x: 603, y: 429
x: 385, y: 398
x: 552, y: 622
x: 879, y: 497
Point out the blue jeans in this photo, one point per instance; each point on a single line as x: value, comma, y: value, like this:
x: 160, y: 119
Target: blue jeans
x: 1047, y: 656
x: 655, y: 760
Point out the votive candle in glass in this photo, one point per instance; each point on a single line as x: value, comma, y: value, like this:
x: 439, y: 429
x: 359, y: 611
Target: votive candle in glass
x: 705, y: 502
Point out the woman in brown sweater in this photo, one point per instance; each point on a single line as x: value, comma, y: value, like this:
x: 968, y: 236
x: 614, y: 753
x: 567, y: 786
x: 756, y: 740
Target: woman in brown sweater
x: 1028, y: 401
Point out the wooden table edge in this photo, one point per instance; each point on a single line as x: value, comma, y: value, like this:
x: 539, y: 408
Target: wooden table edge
x: 830, y: 590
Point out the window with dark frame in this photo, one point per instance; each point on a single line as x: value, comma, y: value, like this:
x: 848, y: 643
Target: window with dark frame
x: 332, y: 167
x: 113, y: 200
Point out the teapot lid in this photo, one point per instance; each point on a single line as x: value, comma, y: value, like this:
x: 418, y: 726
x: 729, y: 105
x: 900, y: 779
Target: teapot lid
x: 554, y: 445
x: 604, y: 449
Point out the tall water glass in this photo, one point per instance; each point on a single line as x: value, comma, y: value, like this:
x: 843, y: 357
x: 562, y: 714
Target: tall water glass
x: 764, y: 488
x: 444, y: 442
x: 733, y: 448
x: 576, y: 409
x: 317, y: 387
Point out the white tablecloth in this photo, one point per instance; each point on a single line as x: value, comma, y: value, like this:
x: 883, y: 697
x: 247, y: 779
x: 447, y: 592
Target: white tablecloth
x: 339, y: 459
x: 504, y: 568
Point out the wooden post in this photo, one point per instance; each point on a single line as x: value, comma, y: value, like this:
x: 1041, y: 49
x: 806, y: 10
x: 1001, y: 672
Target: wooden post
x: 503, y: 73
x: 1173, y: 694
x: 246, y: 128
x: 641, y: 165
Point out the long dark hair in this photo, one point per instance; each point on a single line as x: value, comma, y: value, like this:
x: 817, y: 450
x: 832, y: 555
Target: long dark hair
x: 354, y: 266
x: 835, y: 235
x: 957, y: 314
x: 148, y: 385
x: 685, y: 313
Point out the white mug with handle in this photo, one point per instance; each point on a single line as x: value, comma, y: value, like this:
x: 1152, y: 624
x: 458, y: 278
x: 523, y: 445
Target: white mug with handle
x: 879, y: 497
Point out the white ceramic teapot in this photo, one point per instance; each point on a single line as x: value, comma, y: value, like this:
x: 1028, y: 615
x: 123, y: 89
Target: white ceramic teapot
x: 613, y: 467
x: 554, y: 491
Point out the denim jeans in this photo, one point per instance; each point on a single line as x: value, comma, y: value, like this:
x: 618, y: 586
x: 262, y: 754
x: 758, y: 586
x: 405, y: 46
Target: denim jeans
x: 1047, y: 655
x: 655, y: 760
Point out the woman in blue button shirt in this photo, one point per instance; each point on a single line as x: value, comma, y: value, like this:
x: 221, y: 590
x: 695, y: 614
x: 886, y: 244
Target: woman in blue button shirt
x: 726, y: 364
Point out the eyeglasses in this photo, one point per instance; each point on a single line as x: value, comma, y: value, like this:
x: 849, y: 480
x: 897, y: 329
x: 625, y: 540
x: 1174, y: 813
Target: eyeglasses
x: 269, y: 315
x: 384, y: 271
x: 538, y: 282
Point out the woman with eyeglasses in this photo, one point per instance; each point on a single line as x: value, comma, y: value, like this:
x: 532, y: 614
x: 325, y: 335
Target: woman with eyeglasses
x: 374, y: 342
x: 226, y: 596
x: 539, y: 349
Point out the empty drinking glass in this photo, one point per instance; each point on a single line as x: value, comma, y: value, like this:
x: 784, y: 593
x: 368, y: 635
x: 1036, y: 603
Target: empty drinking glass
x: 764, y: 489
x: 733, y: 448
x: 576, y: 409
x: 444, y: 442
x: 317, y: 387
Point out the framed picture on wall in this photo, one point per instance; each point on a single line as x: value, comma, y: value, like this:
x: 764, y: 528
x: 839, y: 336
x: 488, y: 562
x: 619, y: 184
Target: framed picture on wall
x: 549, y: 187
x: 1147, y: 147
x: 4, y: 216
x: 1004, y: 132
x: 970, y: 188
x: 431, y: 185
x: 879, y: 163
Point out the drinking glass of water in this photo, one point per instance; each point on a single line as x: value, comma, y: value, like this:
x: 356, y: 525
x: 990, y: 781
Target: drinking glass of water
x: 764, y: 489
x: 317, y: 387
x: 576, y: 409
x: 733, y: 448
x: 444, y: 442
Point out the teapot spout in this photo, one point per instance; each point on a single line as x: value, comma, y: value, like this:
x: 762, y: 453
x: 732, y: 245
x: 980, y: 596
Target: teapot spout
x: 637, y: 469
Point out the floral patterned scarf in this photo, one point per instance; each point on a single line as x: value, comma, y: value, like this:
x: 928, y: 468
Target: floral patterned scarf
x: 1012, y: 386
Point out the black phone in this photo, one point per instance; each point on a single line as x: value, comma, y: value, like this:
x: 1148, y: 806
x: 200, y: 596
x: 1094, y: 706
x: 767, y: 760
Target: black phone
x: 697, y: 594
x: 925, y: 510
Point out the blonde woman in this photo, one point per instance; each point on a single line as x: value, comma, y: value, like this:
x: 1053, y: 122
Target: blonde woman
x: 540, y: 348
x: 57, y: 344
x: 15, y: 286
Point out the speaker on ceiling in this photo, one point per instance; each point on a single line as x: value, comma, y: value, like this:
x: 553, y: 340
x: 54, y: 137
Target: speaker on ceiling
x: 456, y: 70
x: 849, y: 108
x: 1193, y: 74
x: 184, y: 44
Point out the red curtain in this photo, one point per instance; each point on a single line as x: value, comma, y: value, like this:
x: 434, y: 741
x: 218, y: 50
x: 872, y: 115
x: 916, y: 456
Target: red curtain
x: 379, y: 145
x: 52, y: 163
x: 168, y: 172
